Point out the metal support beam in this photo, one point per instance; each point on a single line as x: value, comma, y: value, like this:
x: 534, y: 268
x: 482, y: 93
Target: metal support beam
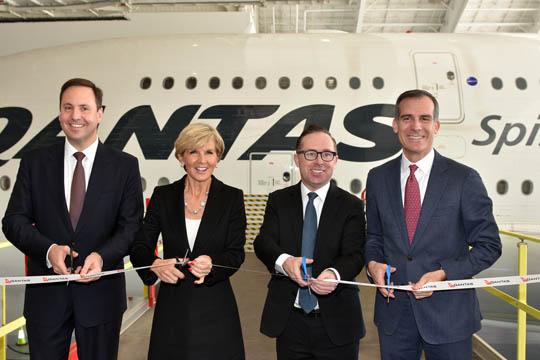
x: 536, y: 27
x: 360, y: 16
x: 453, y: 16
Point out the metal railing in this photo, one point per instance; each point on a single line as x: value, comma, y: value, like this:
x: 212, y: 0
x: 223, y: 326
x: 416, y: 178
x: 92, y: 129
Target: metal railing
x: 7, y: 328
x: 520, y: 303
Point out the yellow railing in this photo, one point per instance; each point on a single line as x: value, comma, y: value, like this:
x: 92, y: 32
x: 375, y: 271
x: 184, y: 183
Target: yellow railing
x: 521, y: 302
x: 8, y: 328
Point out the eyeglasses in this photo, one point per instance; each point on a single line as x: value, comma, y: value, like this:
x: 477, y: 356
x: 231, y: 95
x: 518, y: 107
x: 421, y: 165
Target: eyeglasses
x: 311, y: 155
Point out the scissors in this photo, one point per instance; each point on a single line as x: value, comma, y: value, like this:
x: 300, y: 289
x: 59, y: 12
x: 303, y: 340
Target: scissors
x: 388, y: 275
x: 70, y: 269
x: 304, y: 270
x: 182, y: 263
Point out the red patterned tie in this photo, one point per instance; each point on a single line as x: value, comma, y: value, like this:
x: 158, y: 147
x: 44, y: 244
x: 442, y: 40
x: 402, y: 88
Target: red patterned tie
x: 412, y: 204
x: 78, y: 191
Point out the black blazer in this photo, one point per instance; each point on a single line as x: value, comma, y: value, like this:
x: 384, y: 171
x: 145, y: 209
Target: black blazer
x: 37, y: 216
x: 195, y: 321
x: 456, y: 214
x: 339, y: 244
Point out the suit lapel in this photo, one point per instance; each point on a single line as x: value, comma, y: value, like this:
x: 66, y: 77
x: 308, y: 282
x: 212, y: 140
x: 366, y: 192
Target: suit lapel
x: 296, y: 217
x: 56, y: 177
x: 174, y: 207
x: 435, y: 188
x: 326, y: 224
x: 211, y: 216
x: 393, y: 186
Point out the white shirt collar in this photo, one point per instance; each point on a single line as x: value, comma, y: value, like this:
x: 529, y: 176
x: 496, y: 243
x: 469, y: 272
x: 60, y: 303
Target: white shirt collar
x: 425, y: 164
x: 89, y: 152
x: 321, y: 192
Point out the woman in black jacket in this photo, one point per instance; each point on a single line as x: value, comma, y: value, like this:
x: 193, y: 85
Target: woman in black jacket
x: 196, y: 315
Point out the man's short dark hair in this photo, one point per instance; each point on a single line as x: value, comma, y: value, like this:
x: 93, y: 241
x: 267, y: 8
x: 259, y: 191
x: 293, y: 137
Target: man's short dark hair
x: 417, y: 93
x: 98, y: 93
x: 311, y: 129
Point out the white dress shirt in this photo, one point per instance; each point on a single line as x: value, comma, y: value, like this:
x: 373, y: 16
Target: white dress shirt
x: 192, y: 228
x: 70, y: 162
x: 421, y: 174
x: 318, y: 203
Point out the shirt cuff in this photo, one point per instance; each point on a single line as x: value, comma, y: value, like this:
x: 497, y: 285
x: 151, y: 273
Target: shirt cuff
x: 336, y: 273
x: 49, y: 265
x: 279, y: 263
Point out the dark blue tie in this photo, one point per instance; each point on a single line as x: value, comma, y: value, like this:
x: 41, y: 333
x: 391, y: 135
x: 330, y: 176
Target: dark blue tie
x: 306, y: 298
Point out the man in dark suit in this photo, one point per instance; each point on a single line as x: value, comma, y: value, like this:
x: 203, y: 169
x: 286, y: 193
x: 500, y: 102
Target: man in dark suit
x: 75, y: 208
x: 315, y: 220
x: 430, y: 219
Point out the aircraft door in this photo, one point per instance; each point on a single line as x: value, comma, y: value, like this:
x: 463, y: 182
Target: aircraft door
x: 437, y: 73
x: 275, y: 171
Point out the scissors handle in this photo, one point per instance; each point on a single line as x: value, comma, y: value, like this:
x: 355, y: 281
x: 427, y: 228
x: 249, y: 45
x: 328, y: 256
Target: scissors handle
x: 388, y: 276
x: 304, y: 268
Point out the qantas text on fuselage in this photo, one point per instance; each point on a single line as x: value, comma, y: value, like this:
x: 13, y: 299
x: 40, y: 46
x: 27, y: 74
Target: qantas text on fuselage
x: 157, y: 144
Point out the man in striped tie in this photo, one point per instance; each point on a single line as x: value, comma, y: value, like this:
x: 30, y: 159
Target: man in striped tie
x: 313, y: 231
x: 429, y: 219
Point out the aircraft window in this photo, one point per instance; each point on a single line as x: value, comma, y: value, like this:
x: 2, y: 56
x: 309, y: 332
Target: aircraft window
x: 214, y: 82
x: 191, y: 82
x: 502, y: 187
x: 168, y: 83
x: 450, y: 75
x: 143, y: 184
x: 378, y: 82
x: 356, y: 186
x: 5, y: 182
x: 284, y: 82
x: 527, y: 187
x: 354, y: 83
x: 496, y: 83
x: 237, y: 82
x: 331, y: 82
x: 307, y: 82
x: 521, y: 83
x: 260, y: 82
x: 146, y: 82
x: 163, y: 181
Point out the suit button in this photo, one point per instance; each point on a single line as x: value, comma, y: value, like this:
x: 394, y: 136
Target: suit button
x: 409, y: 258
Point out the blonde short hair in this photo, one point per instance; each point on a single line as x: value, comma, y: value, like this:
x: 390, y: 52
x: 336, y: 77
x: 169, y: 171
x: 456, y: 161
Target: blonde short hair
x: 197, y: 135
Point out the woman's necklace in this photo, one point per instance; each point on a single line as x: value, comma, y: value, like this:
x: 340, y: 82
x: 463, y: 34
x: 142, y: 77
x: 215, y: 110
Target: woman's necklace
x: 196, y: 211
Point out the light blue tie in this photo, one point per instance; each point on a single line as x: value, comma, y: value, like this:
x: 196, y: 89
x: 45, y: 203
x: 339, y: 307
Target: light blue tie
x: 306, y: 298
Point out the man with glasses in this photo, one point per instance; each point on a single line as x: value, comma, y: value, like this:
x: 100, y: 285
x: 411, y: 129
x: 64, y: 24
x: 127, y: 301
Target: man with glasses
x: 75, y: 208
x: 312, y: 232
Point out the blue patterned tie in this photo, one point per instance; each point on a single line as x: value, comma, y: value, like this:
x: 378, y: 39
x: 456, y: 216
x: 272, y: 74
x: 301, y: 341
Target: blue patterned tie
x: 306, y: 299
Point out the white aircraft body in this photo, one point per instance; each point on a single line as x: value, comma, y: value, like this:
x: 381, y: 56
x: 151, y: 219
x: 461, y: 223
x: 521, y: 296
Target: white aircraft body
x: 488, y: 87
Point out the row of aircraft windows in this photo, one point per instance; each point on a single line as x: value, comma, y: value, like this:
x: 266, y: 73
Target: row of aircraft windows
x: 260, y: 83
x: 355, y: 186
x: 307, y: 83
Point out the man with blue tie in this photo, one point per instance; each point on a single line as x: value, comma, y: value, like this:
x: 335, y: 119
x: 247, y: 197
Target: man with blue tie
x: 313, y: 231
x: 75, y: 208
x: 429, y: 219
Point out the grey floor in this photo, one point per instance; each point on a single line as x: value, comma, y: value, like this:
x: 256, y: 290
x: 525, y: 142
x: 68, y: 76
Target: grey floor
x: 250, y: 291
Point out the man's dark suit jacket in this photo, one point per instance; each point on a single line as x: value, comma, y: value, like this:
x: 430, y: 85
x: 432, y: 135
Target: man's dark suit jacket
x: 339, y: 245
x: 456, y: 213
x: 37, y: 216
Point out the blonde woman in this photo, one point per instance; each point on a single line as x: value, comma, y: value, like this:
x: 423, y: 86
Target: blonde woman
x: 196, y: 316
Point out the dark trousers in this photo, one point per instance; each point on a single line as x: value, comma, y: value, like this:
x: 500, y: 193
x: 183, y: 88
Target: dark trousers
x: 407, y: 344
x: 52, y: 342
x: 305, y: 338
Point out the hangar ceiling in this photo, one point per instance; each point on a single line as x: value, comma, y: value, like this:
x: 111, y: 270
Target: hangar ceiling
x: 351, y: 16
